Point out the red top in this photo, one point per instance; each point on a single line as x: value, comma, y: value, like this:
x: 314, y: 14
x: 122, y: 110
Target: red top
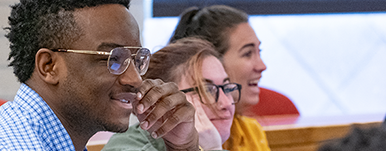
x: 2, y: 102
x: 271, y: 103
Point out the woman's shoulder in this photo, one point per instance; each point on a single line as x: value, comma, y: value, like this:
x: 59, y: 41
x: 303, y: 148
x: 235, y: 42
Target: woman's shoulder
x: 246, y: 120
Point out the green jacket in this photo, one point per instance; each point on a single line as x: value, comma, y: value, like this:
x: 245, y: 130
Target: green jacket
x: 134, y: 139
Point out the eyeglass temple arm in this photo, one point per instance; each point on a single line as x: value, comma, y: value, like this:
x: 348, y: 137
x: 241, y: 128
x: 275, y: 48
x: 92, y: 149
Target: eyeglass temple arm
x: 82, y: 51
x: 188, y: 90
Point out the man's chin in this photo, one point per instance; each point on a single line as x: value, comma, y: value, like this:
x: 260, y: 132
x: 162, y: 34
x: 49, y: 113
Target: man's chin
x: 120, y: 131
x: 117, y: 128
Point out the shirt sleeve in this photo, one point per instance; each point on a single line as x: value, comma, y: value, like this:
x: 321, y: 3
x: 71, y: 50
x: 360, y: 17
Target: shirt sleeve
x: 134, y: 139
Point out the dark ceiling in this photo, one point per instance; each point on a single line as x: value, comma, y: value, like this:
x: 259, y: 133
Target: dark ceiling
x: 263, y: 7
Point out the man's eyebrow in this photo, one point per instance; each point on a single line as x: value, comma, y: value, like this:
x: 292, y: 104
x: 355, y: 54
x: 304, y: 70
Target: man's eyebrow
x: 105, y: 45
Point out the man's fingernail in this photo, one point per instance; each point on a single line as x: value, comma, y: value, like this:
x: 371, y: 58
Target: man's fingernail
x: 139, y: 96
x: 154, y: 135
x: 144, y: 124
x: 140, y: 108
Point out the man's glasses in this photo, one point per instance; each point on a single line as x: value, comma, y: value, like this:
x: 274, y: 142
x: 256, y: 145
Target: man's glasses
x: 120, y: 57
x: 231, y: 90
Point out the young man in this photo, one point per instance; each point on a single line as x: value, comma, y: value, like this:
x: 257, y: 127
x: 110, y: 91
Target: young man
x: 79, y: 62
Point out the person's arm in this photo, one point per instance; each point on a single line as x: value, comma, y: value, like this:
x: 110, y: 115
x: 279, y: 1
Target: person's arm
x: 164, y: 111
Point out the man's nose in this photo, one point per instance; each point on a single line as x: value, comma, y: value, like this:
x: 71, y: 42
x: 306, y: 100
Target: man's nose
x: 130, y: 76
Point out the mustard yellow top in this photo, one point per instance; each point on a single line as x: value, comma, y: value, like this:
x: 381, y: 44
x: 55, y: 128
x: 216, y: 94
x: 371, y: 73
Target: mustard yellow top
x: 246, y: 135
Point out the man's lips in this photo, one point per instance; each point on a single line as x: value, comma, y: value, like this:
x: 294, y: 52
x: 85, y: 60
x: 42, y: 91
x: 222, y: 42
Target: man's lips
x: 126, y: 97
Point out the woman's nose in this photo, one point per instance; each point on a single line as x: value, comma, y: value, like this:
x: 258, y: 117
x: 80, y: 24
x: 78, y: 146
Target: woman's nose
x: 259, y: 65
x: 224, y: 100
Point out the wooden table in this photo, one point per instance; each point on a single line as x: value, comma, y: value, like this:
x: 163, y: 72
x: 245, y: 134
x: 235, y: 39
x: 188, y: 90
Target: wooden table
x: 289, y: 132
x: 294, y: 133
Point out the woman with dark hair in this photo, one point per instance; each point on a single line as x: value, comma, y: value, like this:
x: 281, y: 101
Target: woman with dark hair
x: 228, y: 30
x: 194, y: 66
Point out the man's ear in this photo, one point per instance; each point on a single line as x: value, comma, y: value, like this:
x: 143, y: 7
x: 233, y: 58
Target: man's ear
x: 47, y: 62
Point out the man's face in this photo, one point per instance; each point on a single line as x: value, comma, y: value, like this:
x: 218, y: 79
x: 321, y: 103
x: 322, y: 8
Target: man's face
x: 89, y: 93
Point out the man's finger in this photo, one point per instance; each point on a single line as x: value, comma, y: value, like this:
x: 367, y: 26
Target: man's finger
x: 150, y: 91
x: 161, y: 108
x: 182, y: 113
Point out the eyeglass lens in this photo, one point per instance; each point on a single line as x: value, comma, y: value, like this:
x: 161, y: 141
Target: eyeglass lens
x: 120, y: 58
x: 142, y: 60
x: 230, y: 90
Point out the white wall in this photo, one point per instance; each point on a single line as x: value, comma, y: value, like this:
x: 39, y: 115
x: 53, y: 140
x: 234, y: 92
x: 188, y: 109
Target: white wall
x: 8, y: 82
x: 327, y: 64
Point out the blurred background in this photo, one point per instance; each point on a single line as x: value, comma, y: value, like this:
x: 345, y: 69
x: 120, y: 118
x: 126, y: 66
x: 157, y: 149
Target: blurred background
x: 328, y: 57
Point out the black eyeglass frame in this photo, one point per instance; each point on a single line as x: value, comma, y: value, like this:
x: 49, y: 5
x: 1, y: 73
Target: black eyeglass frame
x: 218, y: 91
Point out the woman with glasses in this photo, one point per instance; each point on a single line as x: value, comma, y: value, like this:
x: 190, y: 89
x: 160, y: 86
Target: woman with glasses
x: 229, y: 31
x: 194, y: 66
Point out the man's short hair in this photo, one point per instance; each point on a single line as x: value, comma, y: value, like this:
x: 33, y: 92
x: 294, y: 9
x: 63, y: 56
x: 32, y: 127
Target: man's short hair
x: 36, y: 24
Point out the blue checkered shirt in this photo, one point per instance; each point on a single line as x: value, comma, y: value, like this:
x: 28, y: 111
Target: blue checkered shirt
x: 29, y: 124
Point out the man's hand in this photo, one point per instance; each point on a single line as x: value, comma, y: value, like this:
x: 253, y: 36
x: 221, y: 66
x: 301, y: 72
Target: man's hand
x: 164, y: 111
